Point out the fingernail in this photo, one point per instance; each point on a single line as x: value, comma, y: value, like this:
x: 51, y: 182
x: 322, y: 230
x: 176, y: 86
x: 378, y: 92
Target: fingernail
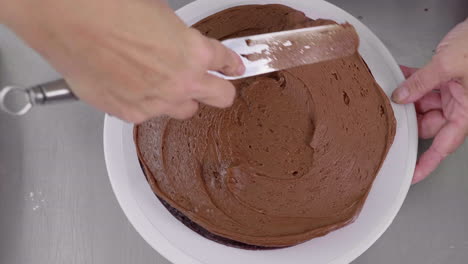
x: 400, y: 94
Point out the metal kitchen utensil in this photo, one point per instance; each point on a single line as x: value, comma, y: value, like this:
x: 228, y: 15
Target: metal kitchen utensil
x: 276, y: 51
x: 260, y: 53
x: 18, y: 100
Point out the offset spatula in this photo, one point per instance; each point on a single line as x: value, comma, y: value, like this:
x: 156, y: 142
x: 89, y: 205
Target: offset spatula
x: 260, y: 53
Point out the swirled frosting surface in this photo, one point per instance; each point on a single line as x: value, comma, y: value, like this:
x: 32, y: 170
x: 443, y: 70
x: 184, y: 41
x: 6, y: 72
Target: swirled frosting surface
x: 292, y: 159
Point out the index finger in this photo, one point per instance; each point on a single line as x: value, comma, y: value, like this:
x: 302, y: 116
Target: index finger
x: 224, y: 60
x: 421, y: 82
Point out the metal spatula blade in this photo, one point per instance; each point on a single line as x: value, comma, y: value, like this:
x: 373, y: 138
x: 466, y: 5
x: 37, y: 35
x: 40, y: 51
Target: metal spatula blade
x: 286, y: 49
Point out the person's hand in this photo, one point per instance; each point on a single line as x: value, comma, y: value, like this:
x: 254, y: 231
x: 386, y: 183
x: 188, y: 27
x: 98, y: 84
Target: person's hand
x: 132, y: 59
x: 440, y: 93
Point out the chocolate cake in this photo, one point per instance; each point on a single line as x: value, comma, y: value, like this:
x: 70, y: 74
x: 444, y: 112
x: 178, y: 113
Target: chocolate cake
x: 294, y: 157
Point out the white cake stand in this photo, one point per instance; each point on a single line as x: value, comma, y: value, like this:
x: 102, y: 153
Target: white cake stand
x: 181, y: 245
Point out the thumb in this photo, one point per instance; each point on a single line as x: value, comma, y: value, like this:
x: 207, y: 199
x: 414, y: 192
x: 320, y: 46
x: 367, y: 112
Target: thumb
x: 420, y: 83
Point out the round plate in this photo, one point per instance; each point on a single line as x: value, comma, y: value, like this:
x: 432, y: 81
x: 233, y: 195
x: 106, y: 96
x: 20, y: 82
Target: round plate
x: 181, y: 245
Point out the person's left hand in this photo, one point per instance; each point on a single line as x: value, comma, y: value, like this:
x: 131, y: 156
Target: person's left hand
x: 441, y: 106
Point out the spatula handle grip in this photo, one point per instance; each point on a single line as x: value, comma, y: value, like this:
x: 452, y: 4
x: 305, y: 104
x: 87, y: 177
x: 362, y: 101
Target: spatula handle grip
x: 17, y: 100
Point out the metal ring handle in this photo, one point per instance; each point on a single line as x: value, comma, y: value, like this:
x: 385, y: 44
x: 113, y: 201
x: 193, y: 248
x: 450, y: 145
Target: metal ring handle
x: 22, y: 110
x: 17, y: 100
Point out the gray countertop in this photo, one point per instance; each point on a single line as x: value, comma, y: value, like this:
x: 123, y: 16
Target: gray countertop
x: 57, y: 206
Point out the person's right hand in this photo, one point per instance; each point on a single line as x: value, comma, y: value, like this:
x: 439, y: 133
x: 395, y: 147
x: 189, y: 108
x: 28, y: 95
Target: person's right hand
x: 132, y: 59
x: 440, y: 93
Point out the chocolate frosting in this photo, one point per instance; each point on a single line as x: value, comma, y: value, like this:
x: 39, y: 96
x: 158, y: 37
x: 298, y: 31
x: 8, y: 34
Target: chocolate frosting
x: 292, y: 159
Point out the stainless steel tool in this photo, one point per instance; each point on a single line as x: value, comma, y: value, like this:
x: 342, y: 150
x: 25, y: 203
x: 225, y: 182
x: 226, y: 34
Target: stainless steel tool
x: 260, y: 53
x: 17, y: 100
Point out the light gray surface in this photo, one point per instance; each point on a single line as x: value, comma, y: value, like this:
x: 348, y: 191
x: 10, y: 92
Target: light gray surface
x: 56, y: 204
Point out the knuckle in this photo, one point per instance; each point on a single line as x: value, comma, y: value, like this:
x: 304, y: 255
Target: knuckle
x: 199, y: 50
x: 442, y: 47
x: 444, y: 65
x: 417, y: 82
x: 205, y: 56
x: 176, y: 90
